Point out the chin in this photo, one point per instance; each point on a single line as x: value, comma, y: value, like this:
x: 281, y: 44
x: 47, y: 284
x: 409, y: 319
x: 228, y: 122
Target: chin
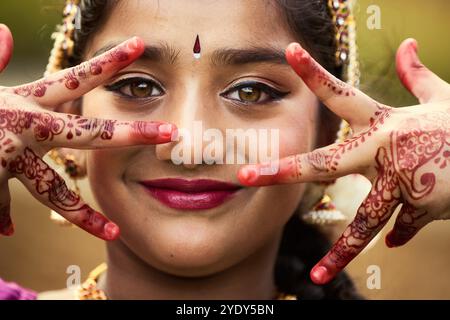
x: 188, y: 248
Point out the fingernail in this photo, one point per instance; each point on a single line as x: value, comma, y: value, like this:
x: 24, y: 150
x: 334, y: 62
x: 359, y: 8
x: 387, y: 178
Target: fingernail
x: 295, y: 48
x: 248, y: 175
x: 7, y: 231
x: 298, y: 52
x: 319, y: 275
x: 392, y: 240
x: 174, y: 136
x: 111, y: 230
x: 413, y: 45
x: 269, y: 169
x: 165, y: 130
x: 135, y: 43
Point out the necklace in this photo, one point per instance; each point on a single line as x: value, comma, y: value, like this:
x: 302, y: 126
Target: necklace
x: 89, y: 291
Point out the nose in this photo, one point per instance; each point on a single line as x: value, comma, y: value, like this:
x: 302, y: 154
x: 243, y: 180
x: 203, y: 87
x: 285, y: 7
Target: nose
x: 188, y: 114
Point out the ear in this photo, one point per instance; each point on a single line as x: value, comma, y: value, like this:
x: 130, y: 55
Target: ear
x: 73, y: 107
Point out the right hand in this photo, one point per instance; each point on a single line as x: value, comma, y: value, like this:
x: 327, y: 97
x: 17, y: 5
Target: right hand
x: 30, y: 127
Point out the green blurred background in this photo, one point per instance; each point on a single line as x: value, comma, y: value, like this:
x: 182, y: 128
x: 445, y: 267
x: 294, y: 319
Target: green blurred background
x: 39, y: 253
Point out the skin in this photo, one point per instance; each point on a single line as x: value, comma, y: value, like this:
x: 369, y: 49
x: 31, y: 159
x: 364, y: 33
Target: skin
x: 165, y: 254
x: 163, y: 249
x: 29, y: 129
x: 404, y: 152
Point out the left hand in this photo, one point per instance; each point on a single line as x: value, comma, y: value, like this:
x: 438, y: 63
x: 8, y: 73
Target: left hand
x: 404, y: 152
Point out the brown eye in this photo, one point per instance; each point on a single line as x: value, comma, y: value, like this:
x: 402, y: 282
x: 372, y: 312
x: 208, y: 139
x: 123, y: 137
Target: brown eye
x: 253, y: 93
x: 141, y: 89
x: 249, y: 94
x: 137, y: 88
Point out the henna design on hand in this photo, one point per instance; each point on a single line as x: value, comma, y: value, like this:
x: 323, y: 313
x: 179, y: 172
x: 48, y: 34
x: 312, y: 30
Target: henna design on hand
x: 97, y: 128
x: 6, y: 225
x: 73, y: 77
x: 406, y: 225
x: 373, y: 213
x: 339, y: 87
x: 47, y: 125
x: 324, y: 78
x: 328, y: 161
x: 418, y: 145
x: 45, y: 179
x: 47, y: 182
x: 293, y: 166
x: 44, y: 127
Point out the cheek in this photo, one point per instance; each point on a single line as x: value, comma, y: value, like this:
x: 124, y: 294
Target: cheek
x: 105, y: 171
x: 102, y: 165
x: 298, y: 132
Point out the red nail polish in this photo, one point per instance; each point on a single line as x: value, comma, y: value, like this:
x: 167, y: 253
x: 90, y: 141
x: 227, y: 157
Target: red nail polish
x: 413, y: 45
x: 111, y: 230
x: 249, y: 175
x: 319, y: 275
x: 174, y: 136
x: 165, y: 130
x: 9, y: 231
x: 388, y: 240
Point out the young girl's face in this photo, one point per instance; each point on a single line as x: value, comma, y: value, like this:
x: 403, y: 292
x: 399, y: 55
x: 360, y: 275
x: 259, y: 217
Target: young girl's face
x: 239, y: 82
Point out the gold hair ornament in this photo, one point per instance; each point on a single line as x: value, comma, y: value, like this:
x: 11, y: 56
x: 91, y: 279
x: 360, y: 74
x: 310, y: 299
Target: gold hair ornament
x: 324, y: 212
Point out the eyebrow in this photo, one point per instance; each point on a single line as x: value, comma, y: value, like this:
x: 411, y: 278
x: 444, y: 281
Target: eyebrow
x: 164, y: 53
x: 158, y: 53
x: 241, y: 56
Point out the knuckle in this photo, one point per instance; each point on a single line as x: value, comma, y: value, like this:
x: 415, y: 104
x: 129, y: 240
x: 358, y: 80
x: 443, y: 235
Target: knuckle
x: 362, y: 225
x: 319, y: 161
x: 95, y: 128
x: 58, y: 189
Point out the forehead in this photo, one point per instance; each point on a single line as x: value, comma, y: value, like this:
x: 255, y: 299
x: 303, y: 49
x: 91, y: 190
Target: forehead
x: 231, y: 23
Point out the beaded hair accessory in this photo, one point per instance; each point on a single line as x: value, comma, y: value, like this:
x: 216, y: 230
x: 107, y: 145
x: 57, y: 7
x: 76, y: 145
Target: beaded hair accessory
x: 63, y: 37
x: 324, y: 212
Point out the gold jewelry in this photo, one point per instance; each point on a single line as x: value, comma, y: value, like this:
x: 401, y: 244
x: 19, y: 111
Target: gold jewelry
x: 324, y: 212
x: 63, y: 37
x: 89, y: 291
x: 347, y: 49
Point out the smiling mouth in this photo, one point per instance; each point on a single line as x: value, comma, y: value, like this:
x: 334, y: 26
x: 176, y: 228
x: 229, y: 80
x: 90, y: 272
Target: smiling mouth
x: 181, y: 194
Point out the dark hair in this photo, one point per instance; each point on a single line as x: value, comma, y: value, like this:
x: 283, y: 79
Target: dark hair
x: 302, y: 245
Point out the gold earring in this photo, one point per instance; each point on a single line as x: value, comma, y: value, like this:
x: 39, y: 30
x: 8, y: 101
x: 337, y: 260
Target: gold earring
x: 324, y: 212
x: 70, y: 166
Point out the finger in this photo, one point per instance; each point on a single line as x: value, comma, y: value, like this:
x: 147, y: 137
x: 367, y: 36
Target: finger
x: 371, y: 216
x: 409, y: 221
x: 345, y: 101
x: 323, y: 164
x: 74, y: 131
x: 418, y: 79
x: 6, y: 225
x: 6, y: 46
x: 72, y: 83
x: 50, y: 189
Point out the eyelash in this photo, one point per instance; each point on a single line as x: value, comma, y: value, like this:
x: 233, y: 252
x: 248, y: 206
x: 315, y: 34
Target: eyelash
x: 274, y: 94
x: 116, y: 87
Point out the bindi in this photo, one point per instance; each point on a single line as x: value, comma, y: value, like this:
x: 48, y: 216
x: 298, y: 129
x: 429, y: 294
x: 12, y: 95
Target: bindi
x: 197, y: 48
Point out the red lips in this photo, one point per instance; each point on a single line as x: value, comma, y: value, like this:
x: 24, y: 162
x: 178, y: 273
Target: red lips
x: 200, y: 194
